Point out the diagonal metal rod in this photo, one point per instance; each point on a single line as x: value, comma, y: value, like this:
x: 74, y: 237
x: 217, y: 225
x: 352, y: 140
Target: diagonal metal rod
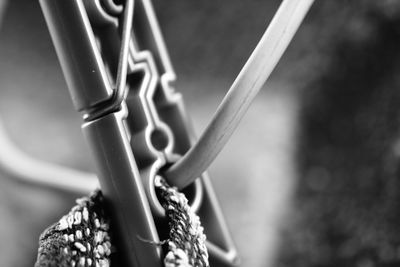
x: 24, y: 168
x: 124, y: 52
x: 30, y: 170
x: 122, y: 71
x: 242, y: 92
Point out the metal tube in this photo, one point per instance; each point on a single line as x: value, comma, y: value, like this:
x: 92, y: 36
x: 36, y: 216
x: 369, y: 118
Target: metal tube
x: 123, y: 190
x: 79, y: 55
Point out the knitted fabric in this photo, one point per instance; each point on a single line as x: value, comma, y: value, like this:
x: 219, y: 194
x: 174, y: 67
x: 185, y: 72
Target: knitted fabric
x: 186, y: 238
x: 83, y: 236
x: 80, y: 238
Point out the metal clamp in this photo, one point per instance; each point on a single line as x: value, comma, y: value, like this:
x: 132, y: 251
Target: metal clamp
x: 138, y: 127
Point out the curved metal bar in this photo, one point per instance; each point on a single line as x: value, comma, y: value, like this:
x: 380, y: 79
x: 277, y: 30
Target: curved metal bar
x: 241, y: 94
x: 26, y: 169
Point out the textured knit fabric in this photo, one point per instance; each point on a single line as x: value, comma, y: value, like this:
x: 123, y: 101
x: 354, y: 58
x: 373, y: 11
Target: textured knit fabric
x: 83, y: 236
x: 186, y: 238
x: 80, y: 238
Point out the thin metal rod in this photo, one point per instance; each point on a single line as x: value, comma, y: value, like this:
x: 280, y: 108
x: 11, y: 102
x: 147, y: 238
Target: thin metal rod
x: 242, y: 92
x: 124, y: 52
x: 24, y: 168
x: 120, y: 85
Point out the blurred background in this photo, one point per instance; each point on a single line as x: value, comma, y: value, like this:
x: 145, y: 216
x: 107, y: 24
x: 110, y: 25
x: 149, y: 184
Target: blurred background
x: 310, y: 176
